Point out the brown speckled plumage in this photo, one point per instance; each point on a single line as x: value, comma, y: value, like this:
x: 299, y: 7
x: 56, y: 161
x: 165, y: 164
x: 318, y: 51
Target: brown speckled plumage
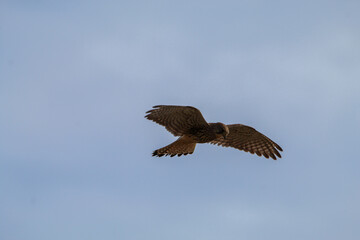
x: 189, y: 124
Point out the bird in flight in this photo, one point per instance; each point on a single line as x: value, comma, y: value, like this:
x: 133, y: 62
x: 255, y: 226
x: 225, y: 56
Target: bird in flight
x: 189, y: 125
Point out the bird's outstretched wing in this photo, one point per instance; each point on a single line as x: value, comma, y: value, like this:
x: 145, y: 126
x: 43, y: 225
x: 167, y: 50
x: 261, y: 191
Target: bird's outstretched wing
x: 249, y: 140
x: 178, y: 120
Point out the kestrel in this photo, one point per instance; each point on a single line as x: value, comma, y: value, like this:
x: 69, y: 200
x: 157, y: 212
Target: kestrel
x: 188, y: 123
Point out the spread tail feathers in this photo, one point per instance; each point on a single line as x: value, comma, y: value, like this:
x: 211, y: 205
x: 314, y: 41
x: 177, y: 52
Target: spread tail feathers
x: 181, y: 146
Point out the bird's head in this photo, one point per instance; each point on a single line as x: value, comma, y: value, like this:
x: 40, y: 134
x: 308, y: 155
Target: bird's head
x: 221, y: 129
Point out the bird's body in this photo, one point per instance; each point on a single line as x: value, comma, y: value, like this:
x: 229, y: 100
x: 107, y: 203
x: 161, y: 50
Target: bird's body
x: 188, y: 123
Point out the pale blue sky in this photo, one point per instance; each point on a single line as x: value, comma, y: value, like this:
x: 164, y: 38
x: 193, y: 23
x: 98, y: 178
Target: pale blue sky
x: 76, y: 78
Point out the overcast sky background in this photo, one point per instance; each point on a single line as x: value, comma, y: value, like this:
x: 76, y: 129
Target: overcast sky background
x: 76, y: 78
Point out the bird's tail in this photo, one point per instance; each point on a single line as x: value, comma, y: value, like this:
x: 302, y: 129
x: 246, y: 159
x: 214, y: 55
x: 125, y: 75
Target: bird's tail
x: 181, y: 146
